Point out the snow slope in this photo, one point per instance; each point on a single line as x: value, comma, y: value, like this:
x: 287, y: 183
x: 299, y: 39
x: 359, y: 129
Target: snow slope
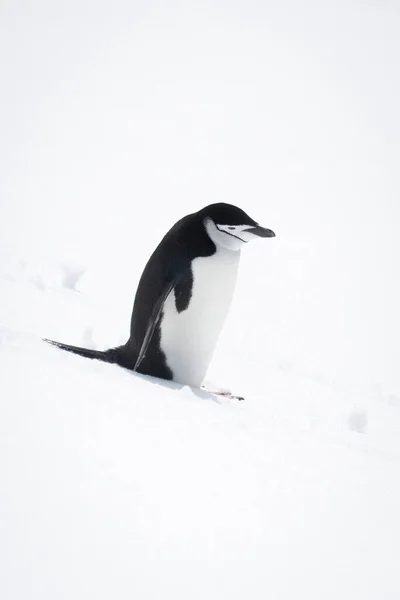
x: 118, y: 486
x: 116, y: 120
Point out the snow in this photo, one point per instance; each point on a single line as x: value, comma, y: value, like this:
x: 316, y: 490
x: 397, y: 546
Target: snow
x: 118, y: 119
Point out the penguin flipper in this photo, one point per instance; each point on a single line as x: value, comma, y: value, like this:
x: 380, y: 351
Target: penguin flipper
x: 155, y: 317
x: 105, y: 356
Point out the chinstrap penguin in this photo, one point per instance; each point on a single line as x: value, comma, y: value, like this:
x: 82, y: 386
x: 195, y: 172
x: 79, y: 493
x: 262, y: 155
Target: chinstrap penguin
x: 183, y: 296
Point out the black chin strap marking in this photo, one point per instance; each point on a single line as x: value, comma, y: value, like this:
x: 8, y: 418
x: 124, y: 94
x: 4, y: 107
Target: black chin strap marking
x: 232, y: 234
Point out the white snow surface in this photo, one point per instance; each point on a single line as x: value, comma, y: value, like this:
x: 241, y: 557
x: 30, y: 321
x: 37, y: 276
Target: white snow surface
x: 116, y: 120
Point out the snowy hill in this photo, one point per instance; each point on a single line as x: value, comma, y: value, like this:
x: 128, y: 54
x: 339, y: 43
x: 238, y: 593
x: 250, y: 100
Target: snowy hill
x: 116, y: 121
x: 119, y: 486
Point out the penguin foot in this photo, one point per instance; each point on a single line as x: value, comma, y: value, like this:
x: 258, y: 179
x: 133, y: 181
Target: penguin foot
x: 221, y: 393
x: 227, y: 395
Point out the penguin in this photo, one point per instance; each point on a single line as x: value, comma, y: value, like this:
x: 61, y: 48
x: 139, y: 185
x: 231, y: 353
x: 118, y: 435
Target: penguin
x: 183, y: 296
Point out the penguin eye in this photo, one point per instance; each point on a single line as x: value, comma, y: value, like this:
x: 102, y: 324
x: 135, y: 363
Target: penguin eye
x: 231, y: 227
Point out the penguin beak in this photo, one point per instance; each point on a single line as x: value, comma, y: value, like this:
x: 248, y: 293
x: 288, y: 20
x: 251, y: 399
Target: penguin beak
x: 260, y: 231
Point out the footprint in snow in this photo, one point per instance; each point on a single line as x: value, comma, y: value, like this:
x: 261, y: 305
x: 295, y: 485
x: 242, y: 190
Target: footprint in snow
x: 72, y: 275
x: 358, y: 420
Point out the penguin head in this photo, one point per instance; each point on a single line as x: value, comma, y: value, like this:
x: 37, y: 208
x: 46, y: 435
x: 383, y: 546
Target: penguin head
x: 230, y: 227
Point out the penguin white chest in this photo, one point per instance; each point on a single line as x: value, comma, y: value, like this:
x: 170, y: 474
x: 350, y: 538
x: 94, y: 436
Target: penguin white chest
x: 188, y: 338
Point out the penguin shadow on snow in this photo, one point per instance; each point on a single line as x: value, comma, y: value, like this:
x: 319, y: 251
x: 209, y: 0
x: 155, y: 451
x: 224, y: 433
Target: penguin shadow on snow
x: 199, y: 393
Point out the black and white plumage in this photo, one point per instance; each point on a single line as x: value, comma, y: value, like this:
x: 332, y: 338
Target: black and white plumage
x: 183, y: 296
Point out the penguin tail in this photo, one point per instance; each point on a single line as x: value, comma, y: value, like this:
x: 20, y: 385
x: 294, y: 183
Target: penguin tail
x: 110, y: 356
